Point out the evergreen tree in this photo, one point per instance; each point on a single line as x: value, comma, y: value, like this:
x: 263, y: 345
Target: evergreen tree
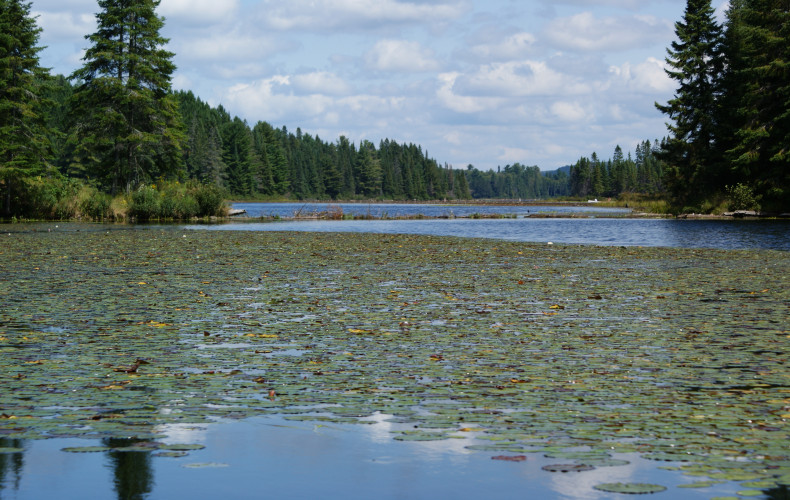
x: 127, y: 123
x: 758, y: 86
x: 24, y: 146
x: 696, y: 62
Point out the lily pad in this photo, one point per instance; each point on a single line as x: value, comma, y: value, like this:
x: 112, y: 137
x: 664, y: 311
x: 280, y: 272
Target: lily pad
x: 567, y: 467
x: 630, y: 488
x: 86, y: 449
x: 182, y: 447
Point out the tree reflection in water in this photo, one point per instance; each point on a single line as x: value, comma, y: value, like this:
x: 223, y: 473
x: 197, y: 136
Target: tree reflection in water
x: 11, y: 463
x: 133, y: 475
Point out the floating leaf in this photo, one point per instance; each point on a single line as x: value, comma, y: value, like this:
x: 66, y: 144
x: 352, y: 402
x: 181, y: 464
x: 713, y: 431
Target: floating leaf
x: 567, y: 467
x: 86, y: 449
x: 510, y: 458
x: 630, y: 488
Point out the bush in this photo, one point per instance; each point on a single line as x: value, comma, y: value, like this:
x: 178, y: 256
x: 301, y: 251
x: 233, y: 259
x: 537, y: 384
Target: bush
x: 210, y: 200
x: 742, y: 197
x: 94, y: 204
x: 145, y: 204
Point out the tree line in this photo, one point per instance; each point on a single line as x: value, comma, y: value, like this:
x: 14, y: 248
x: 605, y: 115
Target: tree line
x: 73, y: 144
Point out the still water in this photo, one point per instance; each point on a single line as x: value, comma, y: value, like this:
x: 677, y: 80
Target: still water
x: 601, y: 226
x: 275, y: 458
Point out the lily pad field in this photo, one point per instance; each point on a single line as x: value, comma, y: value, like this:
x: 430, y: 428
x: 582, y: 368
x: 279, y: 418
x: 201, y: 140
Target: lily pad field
x: 585, y: 356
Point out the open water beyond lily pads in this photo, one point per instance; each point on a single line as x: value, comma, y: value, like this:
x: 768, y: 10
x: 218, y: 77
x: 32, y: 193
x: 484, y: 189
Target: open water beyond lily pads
x: 586, y: 225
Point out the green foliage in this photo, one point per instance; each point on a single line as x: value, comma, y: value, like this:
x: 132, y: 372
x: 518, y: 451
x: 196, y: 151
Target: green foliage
x: 731, y: 113
x: 592, y: 177
x: 210, y: 200
x: 759, y: 88
x: 24, y: 145
x: 176, y: 201
x: 95, y: 205
x: 742, y: 197
x: 127, y: 130
x: 145, y: 204
x: 696, y: 61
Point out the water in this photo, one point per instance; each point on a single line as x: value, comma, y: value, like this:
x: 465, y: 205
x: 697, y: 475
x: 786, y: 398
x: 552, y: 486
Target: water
x: 276, y: 458
x: 384, y: 210
x: 599, y: 228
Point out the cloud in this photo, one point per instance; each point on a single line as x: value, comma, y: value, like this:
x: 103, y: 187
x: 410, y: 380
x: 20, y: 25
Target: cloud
x: 363, y: 15
x: 320, y: 82
x: 275, y: 99
x: 646, y: 77
x: 197, y: 12
x: 516, y: 46
x: 400, y: 56
x: 60, y: 26
x: 587, y: 33
x: 519, y: 78
x: 460, y: 103
x: 571, y: 112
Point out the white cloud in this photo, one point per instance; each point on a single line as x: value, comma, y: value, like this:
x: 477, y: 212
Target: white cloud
x: 323, y: 15
x: 648, y: 76
x: 586, y: 32
x: 459, y: 103
x: 58, y: 26
x: 571, y: 112
x: 527, y: 78
x: 400, y: 56
x: 197, y: 12
x: 516, y: 46
x: 320, y: 82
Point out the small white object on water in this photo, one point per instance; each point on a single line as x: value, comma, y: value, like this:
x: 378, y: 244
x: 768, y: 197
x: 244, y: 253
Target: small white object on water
x: 550, y: 243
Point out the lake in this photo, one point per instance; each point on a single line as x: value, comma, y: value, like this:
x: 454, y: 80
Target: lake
x: 161, y: 361
x: 601, y: 226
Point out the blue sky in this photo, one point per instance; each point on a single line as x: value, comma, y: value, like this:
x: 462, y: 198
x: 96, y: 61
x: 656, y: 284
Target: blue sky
x: 481, y: 82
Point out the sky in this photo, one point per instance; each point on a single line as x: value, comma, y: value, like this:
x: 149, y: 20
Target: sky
x: 481, y: 82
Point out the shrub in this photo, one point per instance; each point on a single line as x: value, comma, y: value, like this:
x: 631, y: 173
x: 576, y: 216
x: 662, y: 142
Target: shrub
x: 742, y: 197
x: 209, y: 199
x: 145, y: 204
x: 94, y: 204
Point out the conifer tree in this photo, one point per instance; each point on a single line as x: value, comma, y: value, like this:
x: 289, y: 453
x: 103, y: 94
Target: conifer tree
x: 127, y: 125
x: 758, y: 88
x: 696, y: 62
x: 24, y: 146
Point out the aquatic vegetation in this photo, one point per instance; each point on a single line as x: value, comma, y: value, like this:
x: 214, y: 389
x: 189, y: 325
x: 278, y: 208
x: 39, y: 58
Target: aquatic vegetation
x: 573, y: 352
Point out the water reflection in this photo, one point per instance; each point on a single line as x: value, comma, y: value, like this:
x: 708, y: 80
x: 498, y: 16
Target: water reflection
x: 133, y: 475
x: 11, y: 464
x: 276, y: 458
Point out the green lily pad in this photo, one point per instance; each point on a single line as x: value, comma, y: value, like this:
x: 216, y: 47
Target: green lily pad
x: 630, y: 488
x: 9, y: 450
x: 170, y: 454
x: 86, y: 449
x: 182, y: 447
x: 567, y: 467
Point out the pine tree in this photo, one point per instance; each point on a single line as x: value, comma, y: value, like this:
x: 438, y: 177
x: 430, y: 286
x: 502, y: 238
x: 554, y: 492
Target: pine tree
x: 127, y: 125
x: 24, y: 146
x: 696, y: 62
x: 758, y: 86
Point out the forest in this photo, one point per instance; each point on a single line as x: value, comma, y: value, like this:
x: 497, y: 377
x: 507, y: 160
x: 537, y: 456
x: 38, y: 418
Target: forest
x: 115, y: 140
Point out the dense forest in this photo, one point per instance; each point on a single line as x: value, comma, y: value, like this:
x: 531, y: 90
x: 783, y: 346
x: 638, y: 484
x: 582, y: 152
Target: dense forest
x: 96, y: 142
